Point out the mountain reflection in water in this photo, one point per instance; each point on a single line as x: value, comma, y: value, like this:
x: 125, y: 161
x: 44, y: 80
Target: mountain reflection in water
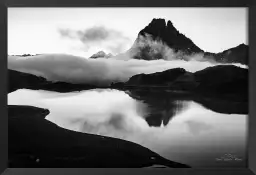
x: 161, y: 106
x: 169, y: 123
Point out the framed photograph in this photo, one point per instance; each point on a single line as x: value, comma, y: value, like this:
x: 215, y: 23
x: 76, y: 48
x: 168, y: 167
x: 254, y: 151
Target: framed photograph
x: 160, y: 88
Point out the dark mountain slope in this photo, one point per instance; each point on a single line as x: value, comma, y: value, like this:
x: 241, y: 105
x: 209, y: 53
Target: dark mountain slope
x: 219, y: 80
x: 158, y: 78
x: 20, y: 80
x: 225, y: 81
x: 238, y: 54
x: 17, y: 80
x: 166, y: 33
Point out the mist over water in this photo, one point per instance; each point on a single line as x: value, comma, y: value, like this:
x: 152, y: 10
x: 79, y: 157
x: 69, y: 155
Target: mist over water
x: 177, y: 129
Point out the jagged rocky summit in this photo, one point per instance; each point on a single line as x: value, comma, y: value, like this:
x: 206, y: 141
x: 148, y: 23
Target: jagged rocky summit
x: 152, y: 41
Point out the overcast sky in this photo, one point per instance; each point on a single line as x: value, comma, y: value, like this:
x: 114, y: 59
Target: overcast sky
x: 84, y: 31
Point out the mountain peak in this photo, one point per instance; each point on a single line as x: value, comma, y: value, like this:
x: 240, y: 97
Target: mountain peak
x: 159, y: 30
x: 153, y: 28
x: 159, y: 21
x: 101, y: 54
x: 170, y: 24
x: 163, y: 33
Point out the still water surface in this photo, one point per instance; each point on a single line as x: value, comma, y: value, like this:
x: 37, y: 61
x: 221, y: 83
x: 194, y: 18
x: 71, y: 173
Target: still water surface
x: 175, y: 127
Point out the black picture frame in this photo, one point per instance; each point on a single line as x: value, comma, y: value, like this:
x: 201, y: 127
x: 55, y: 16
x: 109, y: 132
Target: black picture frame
x: 251, y: 169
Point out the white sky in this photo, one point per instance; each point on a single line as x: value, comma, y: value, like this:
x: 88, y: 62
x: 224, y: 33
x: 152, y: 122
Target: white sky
x: 36, y: 30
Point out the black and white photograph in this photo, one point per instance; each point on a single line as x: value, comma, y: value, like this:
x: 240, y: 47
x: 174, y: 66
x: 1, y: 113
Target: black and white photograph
x: 162, y: 87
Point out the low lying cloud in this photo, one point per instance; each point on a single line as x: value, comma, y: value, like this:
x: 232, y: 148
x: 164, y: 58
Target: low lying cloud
x: 110, y: 39
x: 73, y: 69
x: 148, y: 49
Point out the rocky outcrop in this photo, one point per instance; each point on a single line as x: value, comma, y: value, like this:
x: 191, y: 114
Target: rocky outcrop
x: 101, y: 54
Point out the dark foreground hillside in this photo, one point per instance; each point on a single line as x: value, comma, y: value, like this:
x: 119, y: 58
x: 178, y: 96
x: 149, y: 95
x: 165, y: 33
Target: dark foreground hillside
x: 36, y: 142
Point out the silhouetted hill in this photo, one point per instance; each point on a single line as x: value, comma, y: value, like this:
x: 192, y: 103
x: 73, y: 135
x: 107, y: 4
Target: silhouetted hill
x: 239, y: 54
x: 166, y: 33
x: 20, y: 80
x: 158, y: 78
x: 36, y: 142
x: 223, y: 79
x: 227, y: 81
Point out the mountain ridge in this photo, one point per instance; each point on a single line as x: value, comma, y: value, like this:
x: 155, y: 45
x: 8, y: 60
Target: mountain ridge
x: 226, y: 81
x: 20, y: 80
x: 165, y: 33
x: 160, y: 31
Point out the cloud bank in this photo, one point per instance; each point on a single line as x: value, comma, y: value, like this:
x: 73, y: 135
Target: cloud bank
x: 153, y: 49
x: 73, y: 69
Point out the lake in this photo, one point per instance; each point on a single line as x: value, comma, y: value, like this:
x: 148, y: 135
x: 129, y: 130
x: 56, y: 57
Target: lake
x: 170, y: 124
